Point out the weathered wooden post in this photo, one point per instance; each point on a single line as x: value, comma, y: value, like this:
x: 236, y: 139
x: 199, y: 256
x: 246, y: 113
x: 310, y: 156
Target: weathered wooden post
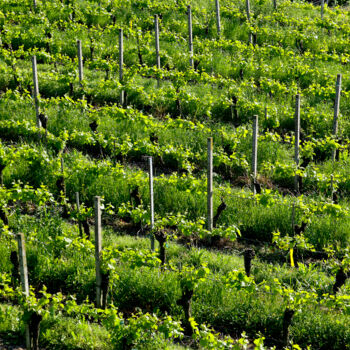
x: 336, y: 108
x: 78, y: 210
x: 247, y: 4
x: 121, y: 64
x: 297, y: 140
x: 98, y: 249
x: 190, y: 36
x: 36, y: 91
x: 210, y: 185
x: 24, y: 277
x: 275, y: 4
x: 80, y: 62
x: 156, y: 30
x: 218, y: 21
x: 23, y: 263
x: 151, y: 196
x: 255, y: 151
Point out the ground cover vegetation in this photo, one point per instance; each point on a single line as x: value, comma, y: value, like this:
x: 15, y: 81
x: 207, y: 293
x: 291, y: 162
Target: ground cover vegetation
x: 272, y: 272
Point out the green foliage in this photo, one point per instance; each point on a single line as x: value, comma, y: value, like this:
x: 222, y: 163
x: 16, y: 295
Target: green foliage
x: 169, y: 114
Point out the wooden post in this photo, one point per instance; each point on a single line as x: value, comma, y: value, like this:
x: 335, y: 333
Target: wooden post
x: 322, y: 8
x: 151, y: 195
x: 210, y: 185
x: 80, y: 62
x: 190, y: 37
x: 297, y: 140
x: 121, y: 64
x: 78, y: 209
x: 247, y: 3
x: 218, y: 21
x: 255, y: 151
x: 98, y: 248
x: 336, y: 108
x: 156, y: 30
x: 36, y: 91
x: 23, y: 263
x: 275, y: 4
x: 24, y: 277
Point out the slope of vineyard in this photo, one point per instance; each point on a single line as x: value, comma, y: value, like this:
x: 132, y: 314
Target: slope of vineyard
x: 268, y: 268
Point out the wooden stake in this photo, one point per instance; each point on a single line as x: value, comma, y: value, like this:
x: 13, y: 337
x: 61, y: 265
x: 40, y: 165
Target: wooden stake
x: 255, y: 150
x: 336, y: 104
x: 210, y: 185
x: 297, y: 140
x: 218, y: 21
x: 156, y: 28
x: 23, y: 263
x: 78, y: 209
x: 121, y: 64
x: 190, y: 37
x: 151, y: 194
x: 36, y: 91
x: 24, y: 276
x: 275, y: 4
x: 247, y: 3
x: 98, y: 249
x: 80, y: 62
x: 336, y: 108
x: 156, y: 31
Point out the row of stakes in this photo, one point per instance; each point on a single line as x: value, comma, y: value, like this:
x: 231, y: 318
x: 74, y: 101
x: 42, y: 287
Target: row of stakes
x: 121, y: 55
x: 98, y: 221
x: 97, y: 204
x: 97, y: 201
x: 210, y: 141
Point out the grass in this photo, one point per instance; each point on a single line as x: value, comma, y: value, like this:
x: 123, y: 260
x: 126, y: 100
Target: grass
x: 235, y: 80
x: 228, y: 311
